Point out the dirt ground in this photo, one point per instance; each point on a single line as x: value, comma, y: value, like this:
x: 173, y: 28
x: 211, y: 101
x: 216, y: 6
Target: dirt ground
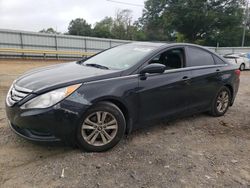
x: 198, y: 151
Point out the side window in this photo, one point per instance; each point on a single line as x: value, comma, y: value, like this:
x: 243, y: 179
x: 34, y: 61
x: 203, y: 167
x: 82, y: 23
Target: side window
x: 199, y: 57
x: 218, y: 61
x: 172, y: 59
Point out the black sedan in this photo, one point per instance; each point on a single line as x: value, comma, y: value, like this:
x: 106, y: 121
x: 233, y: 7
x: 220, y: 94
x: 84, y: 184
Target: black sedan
x: 94, y: 102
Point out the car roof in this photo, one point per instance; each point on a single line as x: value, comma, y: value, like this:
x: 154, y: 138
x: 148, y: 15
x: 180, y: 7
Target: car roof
x: 164, y: 44
x: 152, y: 44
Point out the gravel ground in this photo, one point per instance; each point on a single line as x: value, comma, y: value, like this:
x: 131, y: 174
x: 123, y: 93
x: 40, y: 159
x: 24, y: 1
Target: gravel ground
x: 197, y: 151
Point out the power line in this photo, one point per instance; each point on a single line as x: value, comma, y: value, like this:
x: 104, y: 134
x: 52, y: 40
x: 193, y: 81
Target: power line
x: 125, y: 3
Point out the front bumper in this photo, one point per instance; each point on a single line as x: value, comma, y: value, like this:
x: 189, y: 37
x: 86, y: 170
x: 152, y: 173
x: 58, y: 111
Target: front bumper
x: 51, y: 124
x: 33, y: 135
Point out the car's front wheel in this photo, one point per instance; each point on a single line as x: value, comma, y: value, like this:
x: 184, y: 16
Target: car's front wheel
x: 102, y: 128
x: 221, y: 102
x: 242, y: 67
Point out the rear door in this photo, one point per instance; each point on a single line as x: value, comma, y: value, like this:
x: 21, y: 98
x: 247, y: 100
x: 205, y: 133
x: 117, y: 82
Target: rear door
x: 205, y: 77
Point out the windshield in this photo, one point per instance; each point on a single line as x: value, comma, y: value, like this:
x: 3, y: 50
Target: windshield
x: 121, y: 57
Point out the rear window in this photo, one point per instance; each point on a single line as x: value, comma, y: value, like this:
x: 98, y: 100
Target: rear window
x: 199, y: 57
x: 218, y: 61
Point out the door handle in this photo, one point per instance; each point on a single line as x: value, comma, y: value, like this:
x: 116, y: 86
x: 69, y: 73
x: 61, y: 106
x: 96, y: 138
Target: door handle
x: 218, y: 70
x: 185, y: 78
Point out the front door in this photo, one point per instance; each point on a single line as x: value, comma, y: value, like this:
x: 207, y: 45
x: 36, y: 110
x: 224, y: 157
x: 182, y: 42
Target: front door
x: 161, y: 95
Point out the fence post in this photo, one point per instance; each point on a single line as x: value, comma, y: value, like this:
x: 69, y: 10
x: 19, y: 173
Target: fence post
x: 85, y: 47
x: 85, y: 44
x: 110, y: 43
x: 56, y: 46
x: 21, y: 42
x: 217, y: 47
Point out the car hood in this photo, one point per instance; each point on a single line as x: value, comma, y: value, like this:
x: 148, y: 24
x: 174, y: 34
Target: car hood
x: 41, y: 79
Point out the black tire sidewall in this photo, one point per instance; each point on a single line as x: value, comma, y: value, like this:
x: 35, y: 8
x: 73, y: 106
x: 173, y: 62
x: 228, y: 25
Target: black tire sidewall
x: 116, y: 112
x: 214, y: 110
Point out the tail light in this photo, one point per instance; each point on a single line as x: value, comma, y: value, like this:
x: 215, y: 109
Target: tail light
x: 237, y: 72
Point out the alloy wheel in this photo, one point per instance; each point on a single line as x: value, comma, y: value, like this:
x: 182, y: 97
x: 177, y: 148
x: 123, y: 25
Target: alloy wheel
x: 222, y: 101
x: 99, y: 128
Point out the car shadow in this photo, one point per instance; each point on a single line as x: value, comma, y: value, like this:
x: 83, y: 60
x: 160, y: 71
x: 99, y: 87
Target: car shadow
x: 165, y: 123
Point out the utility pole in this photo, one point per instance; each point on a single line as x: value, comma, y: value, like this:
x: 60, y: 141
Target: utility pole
x: 245, y: 26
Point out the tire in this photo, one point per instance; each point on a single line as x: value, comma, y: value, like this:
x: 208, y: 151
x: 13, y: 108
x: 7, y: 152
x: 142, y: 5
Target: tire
x: 242, y: 67
x: 92, y: 135
x: 218, y: 109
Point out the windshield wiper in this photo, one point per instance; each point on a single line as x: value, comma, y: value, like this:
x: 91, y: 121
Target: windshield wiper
x: 96, y: 65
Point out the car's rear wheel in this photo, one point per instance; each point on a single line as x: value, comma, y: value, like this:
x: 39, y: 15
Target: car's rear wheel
x: 102, y: 128
x: 221, y: 102
x: 242, y: 67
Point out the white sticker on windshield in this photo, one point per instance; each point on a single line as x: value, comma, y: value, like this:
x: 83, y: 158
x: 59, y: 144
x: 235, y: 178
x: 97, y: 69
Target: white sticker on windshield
x: 143, y: 49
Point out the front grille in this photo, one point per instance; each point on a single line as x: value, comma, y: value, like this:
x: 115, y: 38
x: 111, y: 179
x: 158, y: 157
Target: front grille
x: 16, y: 94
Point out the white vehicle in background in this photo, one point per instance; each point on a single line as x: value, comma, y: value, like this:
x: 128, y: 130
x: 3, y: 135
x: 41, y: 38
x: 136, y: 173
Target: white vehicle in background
x: 240, y: 59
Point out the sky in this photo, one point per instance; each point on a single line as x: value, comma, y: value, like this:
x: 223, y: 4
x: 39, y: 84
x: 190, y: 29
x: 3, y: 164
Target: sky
x: 34, y: 15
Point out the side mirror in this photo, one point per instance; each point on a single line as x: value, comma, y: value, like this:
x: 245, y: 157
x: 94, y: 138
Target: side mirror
x: 153, y: 68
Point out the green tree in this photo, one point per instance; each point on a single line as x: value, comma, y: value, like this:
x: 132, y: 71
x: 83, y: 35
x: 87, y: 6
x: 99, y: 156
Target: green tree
x: 104, y: 28
x: 119, y: 27
x: 247, y: 40
x: 122, y: 24
x: 137, y: 34
x: 153, y: 23
x: 79, y: 27
x: 49, y: 31
x: 199, y: 21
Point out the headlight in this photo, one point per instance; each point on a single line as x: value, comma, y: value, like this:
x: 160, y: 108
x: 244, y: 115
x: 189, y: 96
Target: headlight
x: 51, y: 98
